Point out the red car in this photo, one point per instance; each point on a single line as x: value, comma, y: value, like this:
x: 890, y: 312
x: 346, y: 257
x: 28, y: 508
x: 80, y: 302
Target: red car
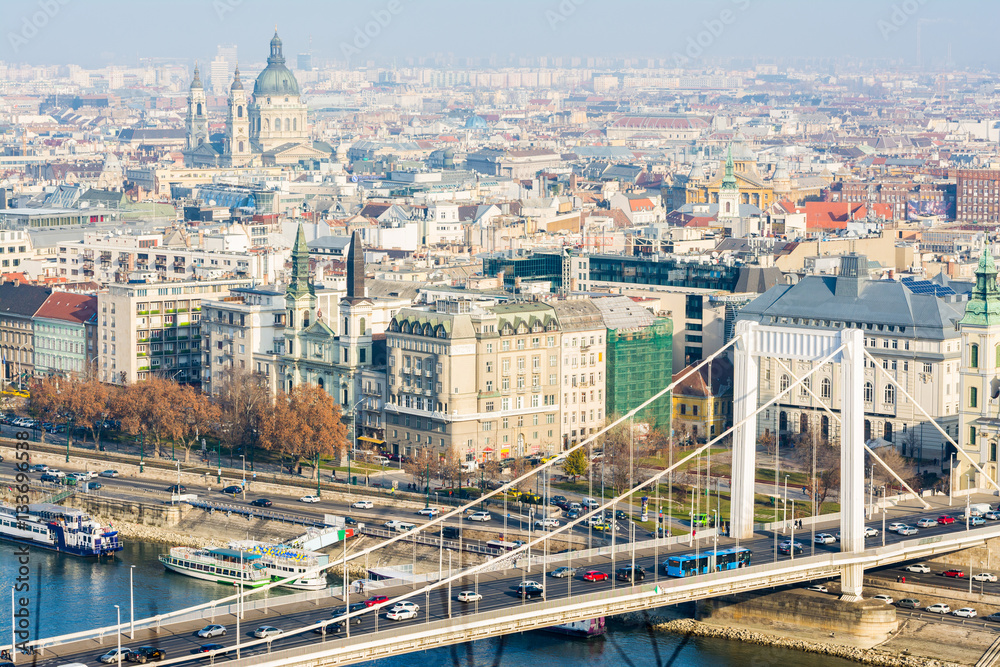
x: 595, y: 575
x: 946, y: 520
x: 376, y: 599
x: 956, y: 574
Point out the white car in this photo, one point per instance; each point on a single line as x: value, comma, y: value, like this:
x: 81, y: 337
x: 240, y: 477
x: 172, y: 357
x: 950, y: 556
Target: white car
x: 403, y: 606
x: 992, y: 515
x: 469, y: 596
x: 363, y: 505
x: 309, y: 499
x: 825, y: 538
x: 266, y: 631
x: 546, y: 523
x: 112, y: 655
x: 479, y: 516
x: 965, y: 612
x: 919, y: 568
x: 214, y: 630
x: 939, y: 608
x: 819, y: 588
x: 883, y: 598
x: 895, y: 525
x: 871, y: 532
x: 984, y: 576
x: 429, y: 511
x: 401, y: 615
x: 927, y: 523
x: 907, y: 530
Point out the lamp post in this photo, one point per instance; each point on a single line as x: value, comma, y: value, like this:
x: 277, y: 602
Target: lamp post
x: 951, y: 480
x: 715, y: 538
x: 354, y: 444
x: 218, y: 450
x: 427, y: 502
x: 117, y: 634
x: 784, y: 508
x: 69, y: 431
x: 142, y: 453
x: 244, y: 460
x: 131, y: 603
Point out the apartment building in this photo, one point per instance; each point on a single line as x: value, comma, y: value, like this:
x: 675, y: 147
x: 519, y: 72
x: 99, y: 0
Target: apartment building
x: 155, y: 327
x: 482, y: 383
x: 65, y: 334
x: 582, y: 369
x: 909, y: 327
x: 18, y: 305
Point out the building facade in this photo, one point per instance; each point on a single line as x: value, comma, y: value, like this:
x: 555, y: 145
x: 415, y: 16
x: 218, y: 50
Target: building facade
x: 18, y: 305
x: 63, y: 334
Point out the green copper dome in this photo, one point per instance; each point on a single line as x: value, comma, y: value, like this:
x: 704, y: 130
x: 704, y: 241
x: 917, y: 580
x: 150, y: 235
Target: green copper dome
x: 276, y: 79
x: 983, y: 308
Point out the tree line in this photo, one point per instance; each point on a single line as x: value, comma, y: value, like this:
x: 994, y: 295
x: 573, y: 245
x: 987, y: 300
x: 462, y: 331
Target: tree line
x: 303, y: 424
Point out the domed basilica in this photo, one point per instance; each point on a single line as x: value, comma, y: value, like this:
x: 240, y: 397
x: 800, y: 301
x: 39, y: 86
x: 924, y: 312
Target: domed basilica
x: 266, y: 128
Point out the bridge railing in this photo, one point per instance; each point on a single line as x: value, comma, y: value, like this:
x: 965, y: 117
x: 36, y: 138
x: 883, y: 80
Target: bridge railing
x: 474, y: 546
x: 619, y: 548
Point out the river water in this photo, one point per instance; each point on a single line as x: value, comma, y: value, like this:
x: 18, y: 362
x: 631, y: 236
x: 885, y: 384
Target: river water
x: 70, y: 594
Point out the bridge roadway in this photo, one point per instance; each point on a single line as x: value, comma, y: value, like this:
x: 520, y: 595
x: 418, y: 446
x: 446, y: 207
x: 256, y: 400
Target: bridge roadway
x: 442, y: 621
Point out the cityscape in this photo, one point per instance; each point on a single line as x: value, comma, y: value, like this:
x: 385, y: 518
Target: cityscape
x: 543, y: 333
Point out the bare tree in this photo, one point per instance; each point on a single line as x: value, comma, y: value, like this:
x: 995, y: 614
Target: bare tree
x: 624, y: 447
x: 247, y: 409
x: 896, y: 461
x: 421, y: 467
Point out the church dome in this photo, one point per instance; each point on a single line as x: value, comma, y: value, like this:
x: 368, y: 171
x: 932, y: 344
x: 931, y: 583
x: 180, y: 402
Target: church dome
x: 475, y: 122
x: 276, y: 79
x: 196, y: 82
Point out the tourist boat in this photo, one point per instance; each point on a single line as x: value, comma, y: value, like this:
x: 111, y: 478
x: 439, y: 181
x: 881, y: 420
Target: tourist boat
x: 223, y: 566
x: 593, y: 627
x: 253, y: 563
x: 62, y: 529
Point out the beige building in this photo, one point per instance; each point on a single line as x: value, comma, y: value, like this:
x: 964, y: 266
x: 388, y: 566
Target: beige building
x: 154, y: 327
x: 582, y: 371
x: 482, y: 383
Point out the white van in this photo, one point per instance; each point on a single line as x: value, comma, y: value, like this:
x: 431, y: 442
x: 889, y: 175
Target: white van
x: 978, y: 509
x: 380, y: 460
x: 470, y: 466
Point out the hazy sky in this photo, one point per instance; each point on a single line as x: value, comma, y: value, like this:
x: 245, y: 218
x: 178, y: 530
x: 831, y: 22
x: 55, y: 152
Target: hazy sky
x: 94, y: 33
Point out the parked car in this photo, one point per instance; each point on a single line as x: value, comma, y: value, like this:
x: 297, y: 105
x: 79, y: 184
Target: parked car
x: 546, y: 523
x: 266, y: 631
x: 595, y: 575
x: 469, y: 596
x: 965, y: 612
x: 984, y: 576
x: 563, y: 572
x: 261, y: 502
x: 309, y: 499
x: 818, y: 588
x: 109, y: 473
x: 919, y: 568
x: 926, y: 522
x: 954, y: 574
x: 362, y: 505
x: 213, y: 630
x: 908, y: 603
x: 946, y: 520
x: 144, y: 654
x: 939, y: 608
x: 479, y: 516
x: 627, y: 574
x: 112, y: 655
x: 883, y: 598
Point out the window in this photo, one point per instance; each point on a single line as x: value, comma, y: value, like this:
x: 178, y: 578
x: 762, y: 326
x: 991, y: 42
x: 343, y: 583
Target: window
x: 783, y: 383
x: 974, y: 356
x: 972, y: 436
x: 869, y: 392
x: 890, y: 394
x: 825, y: 388
x: 973, y: 397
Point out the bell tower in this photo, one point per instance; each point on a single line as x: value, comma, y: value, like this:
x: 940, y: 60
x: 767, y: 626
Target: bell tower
x: 196, y: 122
x: 238, y: 124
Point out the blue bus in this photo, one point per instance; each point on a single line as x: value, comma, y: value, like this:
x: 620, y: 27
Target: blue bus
x: 688, y: 565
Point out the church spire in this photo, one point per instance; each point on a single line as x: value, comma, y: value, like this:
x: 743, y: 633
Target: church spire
x: 300, y: 284
x: 983, y: 308
x: 729, y: 180
x: 356, y: 268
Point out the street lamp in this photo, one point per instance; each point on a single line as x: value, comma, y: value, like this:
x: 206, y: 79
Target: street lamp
x: 131, y: 603
x: 69, y: 420
x: 715, y: 537
x: 784, y: 508
x: 218, y: 450
x: 244, y: 460
x: 142, y: 453
x: 118, y: 634
x: 354, y: 446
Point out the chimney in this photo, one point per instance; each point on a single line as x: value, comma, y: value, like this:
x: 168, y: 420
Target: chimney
x: 853, y: 275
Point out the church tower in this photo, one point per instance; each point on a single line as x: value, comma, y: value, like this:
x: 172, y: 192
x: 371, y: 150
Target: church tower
x: 355, y: 340
x: 979, y: 401
x: 300, y: 307
x: 196, y: 122
x: 238, y: 125
x: 729, y: 199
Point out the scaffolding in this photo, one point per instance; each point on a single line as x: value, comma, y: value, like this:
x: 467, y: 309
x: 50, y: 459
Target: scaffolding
x: 640, y: 362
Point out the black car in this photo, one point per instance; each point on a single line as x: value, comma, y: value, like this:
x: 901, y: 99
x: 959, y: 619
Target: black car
x: 177, y: 488
x: 994, y: 617
x: 49, y: 477
x: 626, y: 573
x: 145, y: 654
x: 558, y: 500
x: 261, y: 502
x: 233, y: 490
x: 451, y: 532
x: 355, y: 606
x: 348, y: 521
x: 531, y: 592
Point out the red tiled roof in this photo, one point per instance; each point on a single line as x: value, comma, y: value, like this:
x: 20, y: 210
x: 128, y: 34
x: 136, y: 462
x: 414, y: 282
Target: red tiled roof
x: 836, y: 215
x: 76, y: 308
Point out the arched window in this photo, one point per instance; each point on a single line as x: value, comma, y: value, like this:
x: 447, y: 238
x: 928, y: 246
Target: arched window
x: 362, y: 328
x: 198, y: 108
x: 783, y: 383
x: 267, y: 123
x: 973, y: 356
x: 805, y: 386
x: 347, y: 329
x: 728, y: 207
x: 973, y: 397
x: 239, y: 111
x: 890, y: 394
x: 824, y: 426
x: 887, y: 432
x: 825, y: 388
x: 241, y: 147
x: 869, y: 392
x: 868, y: 430
x: 803, y: 423
x: 320, y: 383
x: 346, y: 399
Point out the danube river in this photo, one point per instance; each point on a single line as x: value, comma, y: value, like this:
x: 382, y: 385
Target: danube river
x: 70, y: 594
